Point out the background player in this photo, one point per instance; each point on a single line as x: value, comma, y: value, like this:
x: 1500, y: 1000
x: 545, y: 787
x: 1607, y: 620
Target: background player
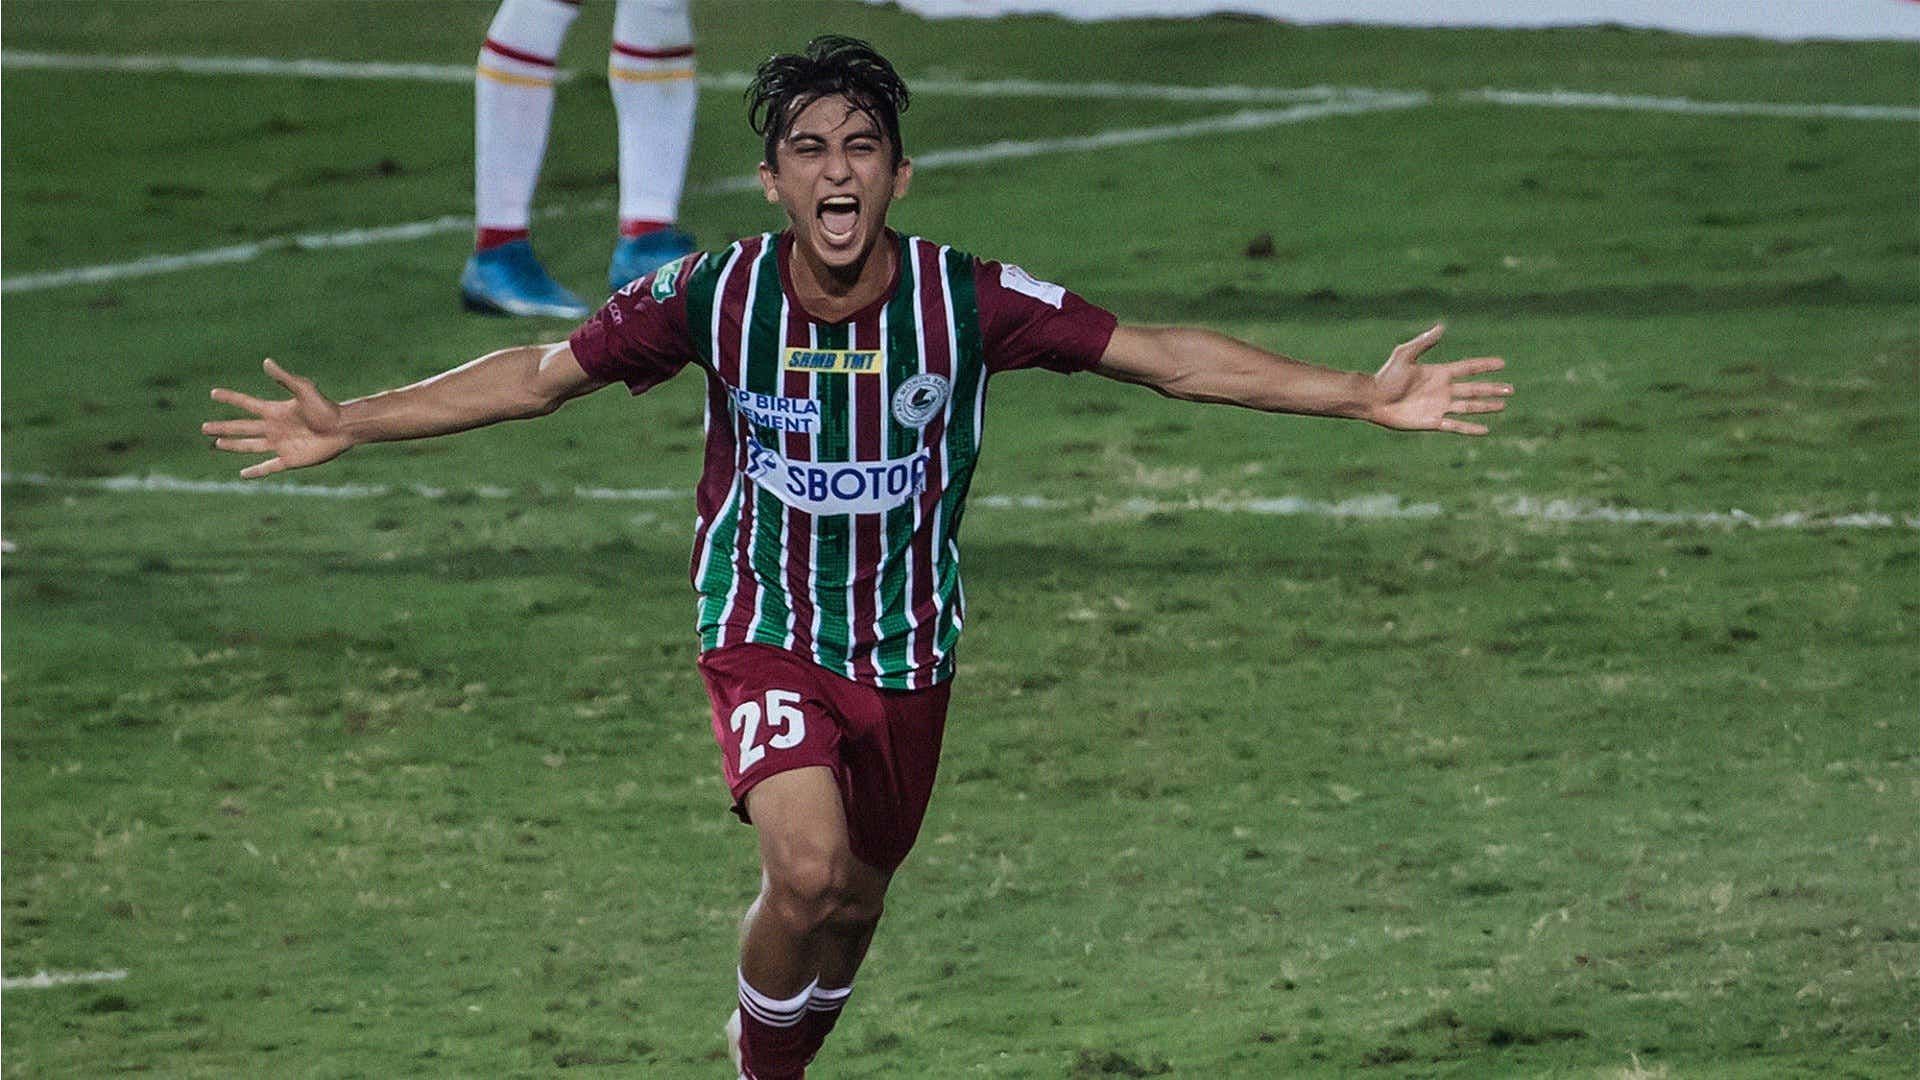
x: 847, y: 370
x: 650, y: 71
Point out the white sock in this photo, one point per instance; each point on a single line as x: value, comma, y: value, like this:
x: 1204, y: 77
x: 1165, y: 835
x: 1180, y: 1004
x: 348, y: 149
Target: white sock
x: 773, y: 1012
x: 650, y: 71
x: 828, y: 1000
x: 513, y: 107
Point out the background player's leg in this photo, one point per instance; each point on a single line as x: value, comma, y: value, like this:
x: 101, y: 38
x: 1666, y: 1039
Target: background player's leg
x: 650, y: 71
x: 512, y: 112
x: 816, y: 911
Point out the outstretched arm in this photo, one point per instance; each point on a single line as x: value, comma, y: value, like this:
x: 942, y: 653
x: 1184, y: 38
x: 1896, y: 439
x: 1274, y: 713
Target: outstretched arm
x: 310, y: 428
x: 1201, y: 365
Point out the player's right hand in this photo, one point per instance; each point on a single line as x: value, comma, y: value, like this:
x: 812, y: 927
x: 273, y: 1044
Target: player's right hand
x: 1413, y: 396
x: 300, y: 431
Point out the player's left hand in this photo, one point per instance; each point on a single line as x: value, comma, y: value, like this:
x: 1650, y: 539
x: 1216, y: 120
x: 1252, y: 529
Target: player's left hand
x: 1412, y: 396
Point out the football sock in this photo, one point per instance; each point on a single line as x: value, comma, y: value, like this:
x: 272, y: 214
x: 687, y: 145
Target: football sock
x: 488, y: 239
x: 650, y: 71
x: 641, y: 227
x: 823, y: 1011
x: 513, y: 109
x: 773, y: 1034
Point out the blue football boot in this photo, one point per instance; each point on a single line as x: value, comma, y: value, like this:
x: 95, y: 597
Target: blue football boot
x: 508, y: 280
x: 636, y: 256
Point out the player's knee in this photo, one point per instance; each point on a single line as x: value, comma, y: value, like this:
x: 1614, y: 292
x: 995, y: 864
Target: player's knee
x: 813, y: 892
x: 806, y: 891
x: 857, y: 906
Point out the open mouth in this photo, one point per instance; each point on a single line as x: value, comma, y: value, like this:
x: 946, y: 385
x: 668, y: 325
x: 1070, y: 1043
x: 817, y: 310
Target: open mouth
x: 839, y: 217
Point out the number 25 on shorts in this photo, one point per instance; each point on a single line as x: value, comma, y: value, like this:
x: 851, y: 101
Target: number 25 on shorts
x: 779, y: 713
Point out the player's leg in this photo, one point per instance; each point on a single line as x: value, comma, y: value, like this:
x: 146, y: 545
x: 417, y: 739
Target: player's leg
x: 835, y: 777
x: 840, y: 961
x: 840, y: 957
x: 650, y: 72
x: 844, y: 950
x: 513, y: 110
x: 779, y: 733
x: 816, y: 911
x: 890, y: 752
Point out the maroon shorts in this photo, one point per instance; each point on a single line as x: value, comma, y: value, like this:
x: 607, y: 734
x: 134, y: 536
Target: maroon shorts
x: 774, y: 711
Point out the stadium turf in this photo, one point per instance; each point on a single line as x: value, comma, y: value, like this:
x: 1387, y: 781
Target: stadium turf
x: 1493, y: 784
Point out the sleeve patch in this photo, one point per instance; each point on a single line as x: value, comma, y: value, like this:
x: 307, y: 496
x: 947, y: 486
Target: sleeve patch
x: 666, y: 280
x: 1017, y: 280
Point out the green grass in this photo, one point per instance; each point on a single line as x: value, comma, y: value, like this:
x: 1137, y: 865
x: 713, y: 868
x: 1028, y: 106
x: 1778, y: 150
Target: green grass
x: 401, y: 786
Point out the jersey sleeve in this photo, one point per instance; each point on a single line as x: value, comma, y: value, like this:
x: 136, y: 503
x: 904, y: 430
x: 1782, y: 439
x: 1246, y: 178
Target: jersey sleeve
x: 1025, y: 322
x: 640, y: 336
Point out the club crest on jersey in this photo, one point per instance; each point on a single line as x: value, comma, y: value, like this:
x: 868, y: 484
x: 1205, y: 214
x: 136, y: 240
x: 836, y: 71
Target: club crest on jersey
x: 832, y: 361
x: 919, y: 399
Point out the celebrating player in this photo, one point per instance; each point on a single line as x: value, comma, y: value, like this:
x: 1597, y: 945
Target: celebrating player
x: 847, y: 370
x: 650, y: 71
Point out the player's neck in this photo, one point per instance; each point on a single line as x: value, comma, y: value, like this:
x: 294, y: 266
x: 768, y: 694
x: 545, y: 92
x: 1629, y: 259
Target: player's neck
x: 835, y: 294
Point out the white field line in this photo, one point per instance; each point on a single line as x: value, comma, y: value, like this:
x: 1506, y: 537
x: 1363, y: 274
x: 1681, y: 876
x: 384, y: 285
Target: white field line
x: 242, y: 65
x: 724, y: 81
x: 1218, y: 93
x: 1244, y: 120
x: 1226, y: 123
x: 1525, y: 508
x: 973, y: 88
x: 44, y: 979
x: 1576, y: 99
x: 236, y: 253
x: 1321, y: 101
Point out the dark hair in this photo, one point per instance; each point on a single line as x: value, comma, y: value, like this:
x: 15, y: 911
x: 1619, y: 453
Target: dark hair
x: 786, y: 83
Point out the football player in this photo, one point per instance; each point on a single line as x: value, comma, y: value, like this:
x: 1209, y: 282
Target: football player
x: 846, y: 369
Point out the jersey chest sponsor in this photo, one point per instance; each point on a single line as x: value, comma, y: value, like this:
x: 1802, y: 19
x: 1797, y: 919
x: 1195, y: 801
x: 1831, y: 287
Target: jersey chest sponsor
x: 838, y: 487
x: 833, y: 361
x: 776, y: 412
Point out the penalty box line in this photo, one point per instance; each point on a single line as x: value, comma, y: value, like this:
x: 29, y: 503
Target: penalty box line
x: 1005, y: 150
x: 1523, y: 508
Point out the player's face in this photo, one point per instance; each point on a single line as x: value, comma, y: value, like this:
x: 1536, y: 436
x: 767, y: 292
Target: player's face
x: 835, y: 176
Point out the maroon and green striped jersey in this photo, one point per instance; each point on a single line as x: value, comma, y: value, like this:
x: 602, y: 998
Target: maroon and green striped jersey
x: 838, y: 454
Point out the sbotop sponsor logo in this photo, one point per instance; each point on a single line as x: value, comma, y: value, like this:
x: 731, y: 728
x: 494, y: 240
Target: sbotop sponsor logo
x: 838, y: 487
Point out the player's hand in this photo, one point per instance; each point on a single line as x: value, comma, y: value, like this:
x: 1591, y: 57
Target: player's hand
x: 1412, y: 396
x: 300, y: 431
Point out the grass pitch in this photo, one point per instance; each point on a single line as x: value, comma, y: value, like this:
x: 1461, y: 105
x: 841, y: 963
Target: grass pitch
x: 410, y: 786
